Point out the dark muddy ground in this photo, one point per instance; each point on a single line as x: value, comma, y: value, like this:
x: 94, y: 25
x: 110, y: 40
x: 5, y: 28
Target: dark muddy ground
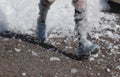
x: 25, y: 56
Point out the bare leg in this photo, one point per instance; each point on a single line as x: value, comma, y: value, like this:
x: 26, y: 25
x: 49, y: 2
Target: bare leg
x: 85, y: 47
x: 44, y: 6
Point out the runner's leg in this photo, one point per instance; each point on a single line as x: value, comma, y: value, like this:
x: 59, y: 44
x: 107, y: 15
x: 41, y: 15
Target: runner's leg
x: 44, y: 6
x: 85, y: 47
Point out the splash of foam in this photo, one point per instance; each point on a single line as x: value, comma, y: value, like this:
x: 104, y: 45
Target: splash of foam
x: 21, y: 16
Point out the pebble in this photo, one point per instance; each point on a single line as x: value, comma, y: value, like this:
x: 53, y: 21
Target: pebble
x: 54, y: 59
x: 119, y: 60
x: 118, y: 67
x: 74, y: 70
x: 116, y: 47
x: 10, y: 51
x: 68, y: 47
x: 108, y: 70
x: 6, y: 39
x: 34, y: 53
x: 20, y: 40
x: 17, y: 50
x: 24, y: 74
x: 98, y: 74
x: 91, y: 59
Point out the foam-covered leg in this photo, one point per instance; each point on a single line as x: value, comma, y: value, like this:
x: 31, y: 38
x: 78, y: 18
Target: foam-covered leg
x: 85, y: 47
x: 44, y: 6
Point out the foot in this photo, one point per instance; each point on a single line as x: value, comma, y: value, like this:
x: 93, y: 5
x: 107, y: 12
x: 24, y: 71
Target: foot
x: 41, y: 31
x: 86, y: 49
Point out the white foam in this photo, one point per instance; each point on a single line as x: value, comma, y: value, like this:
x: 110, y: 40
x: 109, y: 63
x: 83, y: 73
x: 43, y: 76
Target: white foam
x: 21, y: 16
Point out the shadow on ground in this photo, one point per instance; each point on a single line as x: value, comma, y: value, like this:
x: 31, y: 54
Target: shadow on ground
x: 33, y: 40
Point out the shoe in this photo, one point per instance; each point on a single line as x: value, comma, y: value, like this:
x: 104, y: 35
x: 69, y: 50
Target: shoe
x: 41, y: 31
x: 86, y: 49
